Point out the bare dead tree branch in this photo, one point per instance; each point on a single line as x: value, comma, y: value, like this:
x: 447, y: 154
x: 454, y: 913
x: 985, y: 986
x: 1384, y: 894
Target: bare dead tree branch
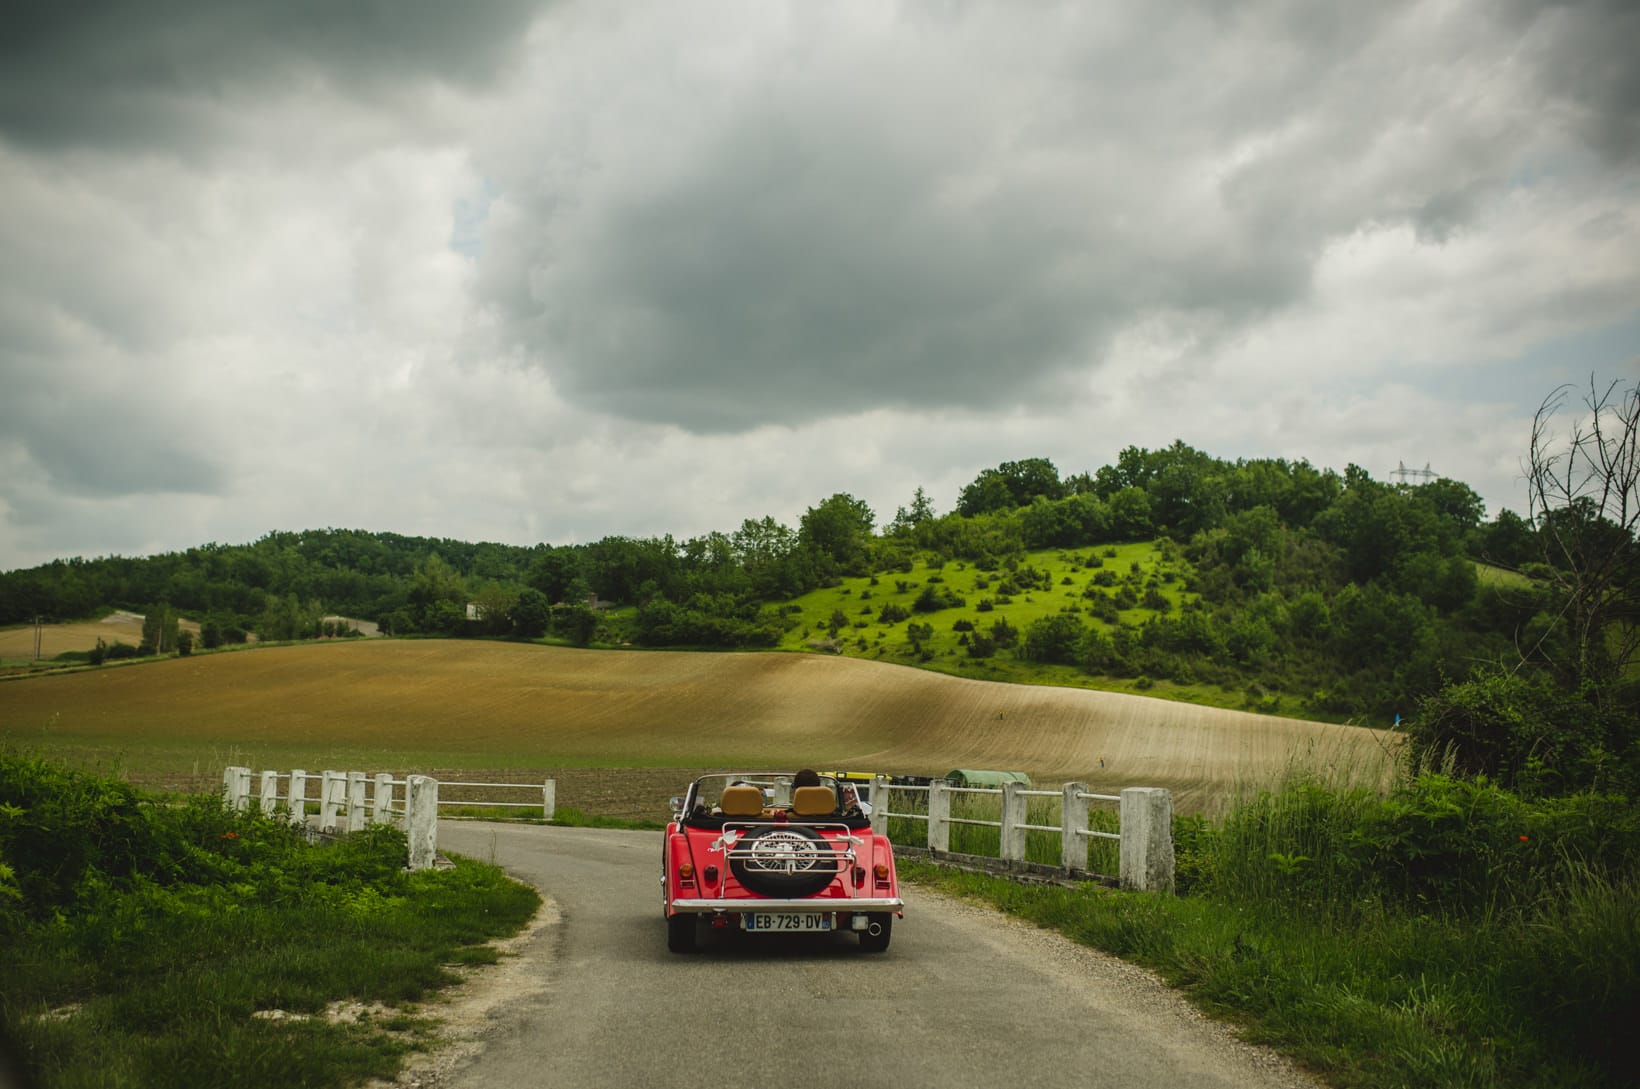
x: 1583, y: 499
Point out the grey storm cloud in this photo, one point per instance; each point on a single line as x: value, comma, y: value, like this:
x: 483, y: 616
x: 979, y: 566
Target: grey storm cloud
x: 963, y: 211
x: 132, y: 74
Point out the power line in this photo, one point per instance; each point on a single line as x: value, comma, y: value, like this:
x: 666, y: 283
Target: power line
x: 1407, y: 476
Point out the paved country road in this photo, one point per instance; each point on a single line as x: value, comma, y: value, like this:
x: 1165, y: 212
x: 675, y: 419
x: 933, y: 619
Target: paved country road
x: 963, y: 997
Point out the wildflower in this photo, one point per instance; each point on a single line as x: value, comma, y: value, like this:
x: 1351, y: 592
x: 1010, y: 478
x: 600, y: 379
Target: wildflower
x: 1523, y: 839
x: 235, y: 835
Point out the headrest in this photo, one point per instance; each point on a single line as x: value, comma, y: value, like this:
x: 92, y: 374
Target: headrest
x: 741, y: 801
x: 813, y: 801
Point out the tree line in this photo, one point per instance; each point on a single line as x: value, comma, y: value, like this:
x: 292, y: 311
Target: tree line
x: 1364, y: 592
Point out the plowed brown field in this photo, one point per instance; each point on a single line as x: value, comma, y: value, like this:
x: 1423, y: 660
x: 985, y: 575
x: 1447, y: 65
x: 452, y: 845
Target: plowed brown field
x: 461, y: 704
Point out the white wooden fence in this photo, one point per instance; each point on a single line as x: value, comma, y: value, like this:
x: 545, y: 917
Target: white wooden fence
x: 348, y: 801
x: 1145, y: 821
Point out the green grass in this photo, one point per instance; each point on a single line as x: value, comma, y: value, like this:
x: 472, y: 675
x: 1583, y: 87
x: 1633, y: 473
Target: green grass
x: 1448, y: 935
x: 147, y: 944
x: 1500, y: 578
x: 1064, y: 577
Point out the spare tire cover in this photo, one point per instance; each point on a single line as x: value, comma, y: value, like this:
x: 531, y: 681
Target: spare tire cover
x: 785, y: 860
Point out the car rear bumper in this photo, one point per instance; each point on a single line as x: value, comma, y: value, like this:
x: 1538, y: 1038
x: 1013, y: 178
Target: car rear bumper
x: 818, y: 907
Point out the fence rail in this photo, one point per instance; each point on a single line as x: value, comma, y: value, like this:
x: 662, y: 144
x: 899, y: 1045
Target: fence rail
x: 350, y: 801
x: 1145, y: 823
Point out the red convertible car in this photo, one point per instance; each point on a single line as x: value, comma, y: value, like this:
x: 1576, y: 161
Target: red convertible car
x: 750, y: 852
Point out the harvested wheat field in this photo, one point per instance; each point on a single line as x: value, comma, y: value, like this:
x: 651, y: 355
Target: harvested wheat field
x: 55, y: 639
x: 462, y: 704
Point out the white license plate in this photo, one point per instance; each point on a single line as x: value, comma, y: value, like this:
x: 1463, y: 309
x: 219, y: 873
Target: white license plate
x: 790, y: 921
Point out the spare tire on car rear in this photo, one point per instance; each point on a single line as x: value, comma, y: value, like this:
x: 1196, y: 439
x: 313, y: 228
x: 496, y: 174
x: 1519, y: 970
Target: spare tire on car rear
x: 786, y: 860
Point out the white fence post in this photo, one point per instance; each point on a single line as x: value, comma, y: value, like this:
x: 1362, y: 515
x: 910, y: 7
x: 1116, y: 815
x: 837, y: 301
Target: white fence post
x: 1014, y: 820
x: 296, y: 797
x: 1147, y: 839
x: 236, y: 787
x: 1073, y: 815
x: 332, y: 788
x: 381, y: 799
x: 421, y: 815
x: 549, y: 799
x: 296, y: 800
x: 270, y: 792
x: 939, y: 815
x: 356, y: 812
x: 879, y: 805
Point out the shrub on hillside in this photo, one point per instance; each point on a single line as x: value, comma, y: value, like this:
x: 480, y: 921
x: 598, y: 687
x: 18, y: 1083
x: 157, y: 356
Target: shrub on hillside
x: 892, y: 614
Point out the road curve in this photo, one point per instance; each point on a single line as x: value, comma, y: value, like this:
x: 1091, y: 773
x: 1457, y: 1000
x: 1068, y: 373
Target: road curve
x: 964, y: 997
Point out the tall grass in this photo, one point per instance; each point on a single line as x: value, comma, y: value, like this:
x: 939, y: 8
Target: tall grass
x: 146, y: 944
x: 1447, y: 933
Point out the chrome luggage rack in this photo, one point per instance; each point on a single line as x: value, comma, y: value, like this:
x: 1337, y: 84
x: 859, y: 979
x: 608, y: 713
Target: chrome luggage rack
x: 787, y: 852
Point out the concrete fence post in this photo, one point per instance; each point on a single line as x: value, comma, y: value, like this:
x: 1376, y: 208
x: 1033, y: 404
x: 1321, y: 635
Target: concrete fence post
x: 939, y: 815
x: 1073, y: 816
x: 332, y: 789
x: 296, y: 800
x: 381, y: 799
x: 421, y: 816
x: 549, y: 799
x: 879, y: 805
x: 357, y: 814
x: 236, y: 787
x: 1147, y: 839
x: 1015, y: 816
x: 270, y: 792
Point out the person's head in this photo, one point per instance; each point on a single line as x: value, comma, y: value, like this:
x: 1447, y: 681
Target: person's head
x: 806, y: 778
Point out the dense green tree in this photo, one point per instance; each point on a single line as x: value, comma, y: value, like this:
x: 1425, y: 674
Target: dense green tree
x: 838, y: 531
x: 1454, y: 501
x: 494, y: 604
x: 531, y: 614
x: 1130, y: 515
x: 1506, y: 541
x: 433, y: 585
x: 553, y: 571
x: 1011, y: 484
x: 906, y: 520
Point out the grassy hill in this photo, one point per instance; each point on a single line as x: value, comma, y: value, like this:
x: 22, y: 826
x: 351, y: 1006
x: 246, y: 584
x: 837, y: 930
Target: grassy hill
x: 1103, y: 587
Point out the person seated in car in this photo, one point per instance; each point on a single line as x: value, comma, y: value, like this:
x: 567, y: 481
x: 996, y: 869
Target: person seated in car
x: 807, y: 779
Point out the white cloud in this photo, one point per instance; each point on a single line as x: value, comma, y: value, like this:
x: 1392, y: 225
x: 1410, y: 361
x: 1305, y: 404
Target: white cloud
x: 646, y: 268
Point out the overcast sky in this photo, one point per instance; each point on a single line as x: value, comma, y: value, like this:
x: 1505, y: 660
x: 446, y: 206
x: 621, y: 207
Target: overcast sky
x: 552, y: 271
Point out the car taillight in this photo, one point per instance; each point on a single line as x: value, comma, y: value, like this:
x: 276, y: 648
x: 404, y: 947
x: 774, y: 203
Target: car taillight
x: 859, y: 875
x: 711, y: 875
x: 686, y: 870
x: 881, y: 870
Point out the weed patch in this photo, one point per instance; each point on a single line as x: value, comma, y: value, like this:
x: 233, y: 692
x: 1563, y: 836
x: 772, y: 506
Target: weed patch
x: 150, y: 947
x: 1416, y: 939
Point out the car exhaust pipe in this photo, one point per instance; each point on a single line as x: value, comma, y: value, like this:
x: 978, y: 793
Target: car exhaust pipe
x: 875, y: 930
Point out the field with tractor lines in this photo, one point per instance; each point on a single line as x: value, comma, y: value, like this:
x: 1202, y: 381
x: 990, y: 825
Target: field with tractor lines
x: 466, y: 704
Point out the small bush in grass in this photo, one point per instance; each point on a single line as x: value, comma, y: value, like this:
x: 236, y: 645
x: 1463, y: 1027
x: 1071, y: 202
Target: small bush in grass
x: 892, y: 614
